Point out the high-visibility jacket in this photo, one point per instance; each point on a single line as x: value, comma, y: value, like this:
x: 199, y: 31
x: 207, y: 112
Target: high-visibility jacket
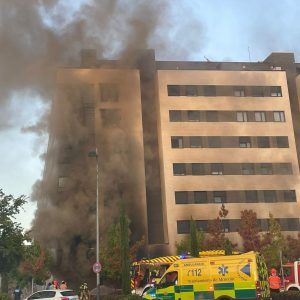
x: 274, y: 282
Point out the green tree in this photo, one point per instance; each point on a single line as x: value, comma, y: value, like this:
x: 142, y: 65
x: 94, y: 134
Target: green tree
x: 184, y: 246
x: 11, y: 236
x: 125, y: 252
x: 272, y: 243
x: 194, y: 242
x: 228, y: 247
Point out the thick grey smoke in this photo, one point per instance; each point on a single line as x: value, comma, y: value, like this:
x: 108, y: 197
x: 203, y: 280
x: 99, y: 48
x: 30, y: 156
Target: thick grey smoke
x: 36, y: 38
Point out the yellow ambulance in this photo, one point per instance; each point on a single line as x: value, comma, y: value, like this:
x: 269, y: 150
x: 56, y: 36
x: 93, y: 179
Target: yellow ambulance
x: 242, y: 276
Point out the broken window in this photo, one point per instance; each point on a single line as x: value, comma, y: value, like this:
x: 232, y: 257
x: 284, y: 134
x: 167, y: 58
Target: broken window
x: 110, y: 117
x: 109, y: 92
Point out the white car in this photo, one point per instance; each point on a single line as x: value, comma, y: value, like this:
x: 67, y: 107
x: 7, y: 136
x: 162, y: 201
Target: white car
x: 54, y: 295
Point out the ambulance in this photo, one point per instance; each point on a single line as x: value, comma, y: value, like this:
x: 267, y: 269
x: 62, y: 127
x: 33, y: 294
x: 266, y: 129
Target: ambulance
x: 242, y: 276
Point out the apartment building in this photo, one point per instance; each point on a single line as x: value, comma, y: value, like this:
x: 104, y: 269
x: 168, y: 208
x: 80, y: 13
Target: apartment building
x: 193, y: 135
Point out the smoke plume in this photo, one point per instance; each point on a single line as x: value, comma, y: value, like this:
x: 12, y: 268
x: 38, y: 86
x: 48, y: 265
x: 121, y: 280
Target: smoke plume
x: 36, y: 38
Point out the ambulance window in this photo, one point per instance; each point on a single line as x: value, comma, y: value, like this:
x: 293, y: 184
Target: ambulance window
x: 287, y: 271
x: 169, y: 279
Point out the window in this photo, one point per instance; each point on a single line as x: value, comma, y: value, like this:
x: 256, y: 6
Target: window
x: 214, y: 142
x: 247, y: 169
x: 183, y: 227
x: 68, y: 293
x: 265, y: 169
x: 216, y: 169
x: 209, y: 90
x: 211, y: 116
x: 279, y: 116
x: 47, y: 294
x: 110, y: 117
x: 195, y: 142
x: 198, y: 169
x: 239, y: 92
x: 257, y: 91
x: 290, y: 196
x: 177, y: 142
x: 202, y: 224
x: 241, y: 116
x: 173, y: 90
x: 200, y: 197
x: 219, y: 197
x: 226, y: 225
x: 275, y: 91
x: 263, y: 142
x: 270, y: 196
x: 260, y: 116
x: 179, y: 169
x: 245, y: 142
x: 191, y: 90
x: 293, y: 225
x: 175, y: 115
x: 62, y: 183
x: 284, y: 169
x: 169, y: 279
x: 193, y: 115
x: 251, y: 196
x: 181, y: 197
x: 109, y: 92
x: 282, y: 141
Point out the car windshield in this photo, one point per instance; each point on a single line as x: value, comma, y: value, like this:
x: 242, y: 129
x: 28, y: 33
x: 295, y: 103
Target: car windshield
x: 68, y: 293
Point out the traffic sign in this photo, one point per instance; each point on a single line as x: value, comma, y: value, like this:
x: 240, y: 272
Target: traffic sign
x: 97, y: 267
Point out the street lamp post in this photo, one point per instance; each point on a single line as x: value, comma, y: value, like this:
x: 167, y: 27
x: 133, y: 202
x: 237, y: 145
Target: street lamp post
x: 95, y: 154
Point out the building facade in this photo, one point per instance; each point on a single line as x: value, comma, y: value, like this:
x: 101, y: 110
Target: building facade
x: 178, y: 139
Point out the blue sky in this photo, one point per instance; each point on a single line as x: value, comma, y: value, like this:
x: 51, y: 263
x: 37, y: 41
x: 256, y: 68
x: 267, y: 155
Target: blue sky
x: 217, y: 29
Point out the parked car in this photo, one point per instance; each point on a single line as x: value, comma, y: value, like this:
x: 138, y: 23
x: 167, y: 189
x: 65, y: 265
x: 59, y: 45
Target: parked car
x: 54, y: 295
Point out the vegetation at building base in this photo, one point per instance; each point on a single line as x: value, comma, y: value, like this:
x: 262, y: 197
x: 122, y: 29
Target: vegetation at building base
x: 20, y: 256
x: 270, y: 243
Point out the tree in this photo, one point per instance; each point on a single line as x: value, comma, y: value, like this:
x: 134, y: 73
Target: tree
x: 125, y: 253
x: 216, y: 232
x: 36, y: 263
x: 11, y: 236
x: 194, y: 243
x: 292, y: 248
x: 249, y: 230
x: 272, y: 243
x: 184, y: 246
x: 228, y: 247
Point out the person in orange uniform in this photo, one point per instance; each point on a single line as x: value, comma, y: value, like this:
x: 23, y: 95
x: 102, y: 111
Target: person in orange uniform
x: 63, y: 285
x: 274, y: 282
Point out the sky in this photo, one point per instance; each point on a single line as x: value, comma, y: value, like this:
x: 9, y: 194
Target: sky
x: 222, y: 30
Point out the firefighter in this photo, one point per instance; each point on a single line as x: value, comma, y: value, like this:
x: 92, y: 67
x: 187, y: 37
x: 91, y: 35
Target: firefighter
x: 84, y: 292
x: 274, y: 282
